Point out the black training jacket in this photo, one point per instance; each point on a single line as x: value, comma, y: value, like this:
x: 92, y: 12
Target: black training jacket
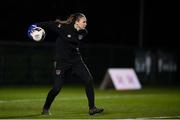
x: 67, y: 42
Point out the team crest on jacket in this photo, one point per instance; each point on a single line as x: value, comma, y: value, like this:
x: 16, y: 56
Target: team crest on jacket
x: 58, y: 72
x: 69, y: 36
x: 80, y: 37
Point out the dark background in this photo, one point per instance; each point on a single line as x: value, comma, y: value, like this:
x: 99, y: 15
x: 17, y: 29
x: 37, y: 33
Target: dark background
x: 109, y: 22
x: 117, y: 29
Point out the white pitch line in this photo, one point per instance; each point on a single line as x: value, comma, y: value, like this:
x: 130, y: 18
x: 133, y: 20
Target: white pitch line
x: 82, y: 98
x: 63, y: 98
x: 144, y: 118
x: 160, y: 117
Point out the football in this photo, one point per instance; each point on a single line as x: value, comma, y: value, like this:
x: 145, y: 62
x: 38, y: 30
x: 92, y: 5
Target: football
x: 37, y: 34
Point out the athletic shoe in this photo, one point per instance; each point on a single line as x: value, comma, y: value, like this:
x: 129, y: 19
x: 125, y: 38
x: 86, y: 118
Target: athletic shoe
x: 45, y: 112
x: 95, y: 110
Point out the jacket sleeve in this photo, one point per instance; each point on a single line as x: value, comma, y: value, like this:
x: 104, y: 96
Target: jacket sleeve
x: 50, y: 25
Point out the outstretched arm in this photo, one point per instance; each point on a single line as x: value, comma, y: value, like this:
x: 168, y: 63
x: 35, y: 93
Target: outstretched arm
x: 50, y: 25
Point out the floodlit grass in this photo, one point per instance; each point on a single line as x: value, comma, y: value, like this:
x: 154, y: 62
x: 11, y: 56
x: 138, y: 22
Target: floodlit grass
x: 71, y: 103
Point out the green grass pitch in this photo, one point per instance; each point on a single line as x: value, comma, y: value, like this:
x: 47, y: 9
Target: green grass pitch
x: 71, y: 103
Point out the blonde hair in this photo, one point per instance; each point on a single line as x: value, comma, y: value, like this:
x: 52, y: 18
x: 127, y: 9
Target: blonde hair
x: 71, y: 19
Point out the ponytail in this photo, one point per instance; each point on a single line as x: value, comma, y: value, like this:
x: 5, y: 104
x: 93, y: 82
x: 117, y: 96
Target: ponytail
x: 71, y: 19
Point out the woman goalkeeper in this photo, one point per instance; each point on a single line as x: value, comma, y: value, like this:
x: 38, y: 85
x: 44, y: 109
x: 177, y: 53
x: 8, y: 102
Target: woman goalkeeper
x: 68, y: 58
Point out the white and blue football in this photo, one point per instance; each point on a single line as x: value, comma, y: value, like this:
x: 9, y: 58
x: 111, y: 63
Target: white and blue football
x: 37, y: 34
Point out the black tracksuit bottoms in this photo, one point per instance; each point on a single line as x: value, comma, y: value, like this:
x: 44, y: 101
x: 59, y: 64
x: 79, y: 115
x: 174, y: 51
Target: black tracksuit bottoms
x: 80, y: 70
